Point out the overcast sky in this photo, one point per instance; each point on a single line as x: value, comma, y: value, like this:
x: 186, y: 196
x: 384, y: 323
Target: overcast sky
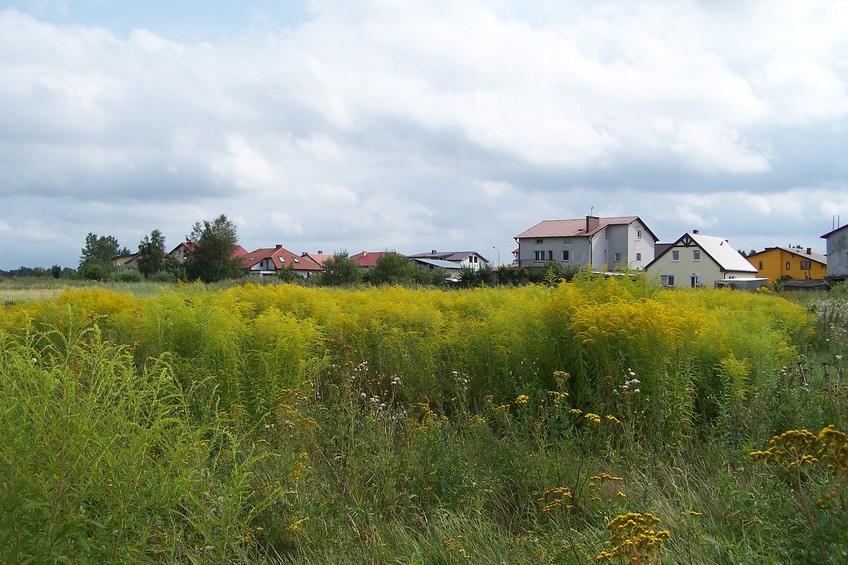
x: 450, y: 125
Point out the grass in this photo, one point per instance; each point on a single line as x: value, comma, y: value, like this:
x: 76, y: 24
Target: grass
x: 289, y: 425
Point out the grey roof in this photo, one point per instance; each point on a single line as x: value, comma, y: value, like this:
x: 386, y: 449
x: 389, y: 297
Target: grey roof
x: 723, y: 253
x: 437, y: 263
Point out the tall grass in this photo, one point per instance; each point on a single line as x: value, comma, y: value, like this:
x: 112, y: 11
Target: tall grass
x: 286, y: 424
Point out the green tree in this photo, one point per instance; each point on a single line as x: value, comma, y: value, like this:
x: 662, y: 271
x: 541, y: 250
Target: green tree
x: 391, y: 268
x: 340, y: 270
x: 214, y: 245
x: 98, y: 256
x: 151, y: 253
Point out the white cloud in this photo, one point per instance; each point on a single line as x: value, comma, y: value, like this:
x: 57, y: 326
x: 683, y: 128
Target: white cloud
x: 392, y: 124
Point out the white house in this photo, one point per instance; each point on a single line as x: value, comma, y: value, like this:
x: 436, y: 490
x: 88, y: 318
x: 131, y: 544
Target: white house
x: 460, y: 259
x: 837, y: 253
x: 697, y: 260
x: 602, y: 243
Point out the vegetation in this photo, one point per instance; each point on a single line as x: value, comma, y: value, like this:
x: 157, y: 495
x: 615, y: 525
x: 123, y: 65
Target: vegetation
x: 571, y: 422
x: 212, y: 258
x: 97, y: 256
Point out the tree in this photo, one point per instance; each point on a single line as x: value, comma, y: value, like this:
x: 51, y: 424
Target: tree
x: 213, y: 258
x: 391, y: 268
x: 151, y: 253
x: 340, y: 270
x: 98, y: 256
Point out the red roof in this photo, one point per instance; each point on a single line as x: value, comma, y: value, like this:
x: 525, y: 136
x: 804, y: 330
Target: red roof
x: 369, y: 258
x: 281, y: 258
x: 576, y: 227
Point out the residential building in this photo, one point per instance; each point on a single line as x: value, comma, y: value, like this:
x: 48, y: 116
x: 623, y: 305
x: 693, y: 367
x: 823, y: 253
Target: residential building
x: 613, y: 243
x: 368, y: 259
x: 270, y: 261
x: 696, y: 260
x: 775, y: 263
x: 184, y: 249
x: 460, y: 259
x: 837, y: 253
x: 319, y: 257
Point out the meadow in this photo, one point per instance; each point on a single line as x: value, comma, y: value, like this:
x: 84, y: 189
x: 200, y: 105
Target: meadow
x: 600, y: 420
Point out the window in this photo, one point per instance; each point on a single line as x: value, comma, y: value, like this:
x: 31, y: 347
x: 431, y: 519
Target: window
x: 566, y: 255
x: 638, y: 234
x: 761, y: 265
x: 694, y: 281
x: 638, y: 256
x: 540, y: 241
x: 618, y: 257
x: 806, y: 265
x: 788, y: 265
x: 541, y: 255
x: 667, y: 280
x: 696, y: 254
x: 675, y: 255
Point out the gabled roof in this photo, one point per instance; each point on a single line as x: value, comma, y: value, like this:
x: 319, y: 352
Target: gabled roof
x: 281, y: 258
x: 831, y: 232
x: 716, y: 248
x: 369, y: 258
x: 318, y: 257
x: 812, y: 255
x: 453, y: 256
x: 440, y: 263
x: 577, y: 227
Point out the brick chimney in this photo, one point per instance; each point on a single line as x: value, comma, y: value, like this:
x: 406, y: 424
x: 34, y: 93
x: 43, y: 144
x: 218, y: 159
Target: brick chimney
x: 592, y: 222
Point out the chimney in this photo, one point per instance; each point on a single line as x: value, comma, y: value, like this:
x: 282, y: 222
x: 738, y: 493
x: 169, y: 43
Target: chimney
x: 696, y: 232
x: 278, y: 246
x: 809, y: 250
x: 320, y: 252
x: 592, y: 222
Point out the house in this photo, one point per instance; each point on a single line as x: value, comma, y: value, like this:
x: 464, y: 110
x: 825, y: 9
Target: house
x: 696, y: 260
x: 184, y: 249
x: 452, y: 268
x: 776, y: 263
x: 837, y: 253
x: 453, y: 259
x: 319, y: 257
x: 126, y: 261
x: 369, y: 258
x: 270, y: 261
x: 601, y: 243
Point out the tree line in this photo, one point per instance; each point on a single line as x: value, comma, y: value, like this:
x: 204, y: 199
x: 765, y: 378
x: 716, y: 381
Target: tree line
x: 212, y: 259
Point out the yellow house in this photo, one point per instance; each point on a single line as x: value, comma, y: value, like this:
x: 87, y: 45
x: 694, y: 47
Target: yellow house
x: 774, y: 263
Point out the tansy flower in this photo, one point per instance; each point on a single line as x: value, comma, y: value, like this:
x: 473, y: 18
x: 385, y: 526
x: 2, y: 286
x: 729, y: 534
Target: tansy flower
x: 522, y: 399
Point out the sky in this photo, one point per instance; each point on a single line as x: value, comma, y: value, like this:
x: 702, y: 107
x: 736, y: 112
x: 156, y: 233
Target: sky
x: 455, y: 125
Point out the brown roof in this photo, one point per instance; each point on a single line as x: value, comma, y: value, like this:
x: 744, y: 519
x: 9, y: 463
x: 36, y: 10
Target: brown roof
x: 574, y: 227
x: 282, y: 258
x: 319, y: 257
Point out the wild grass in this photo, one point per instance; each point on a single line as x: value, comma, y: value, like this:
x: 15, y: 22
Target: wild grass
x: 595, y: 420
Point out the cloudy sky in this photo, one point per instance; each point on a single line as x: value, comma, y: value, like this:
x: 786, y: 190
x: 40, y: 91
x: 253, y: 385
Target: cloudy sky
x: 447, y: 124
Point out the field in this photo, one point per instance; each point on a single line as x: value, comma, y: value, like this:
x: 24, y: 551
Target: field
x: 601, y: 420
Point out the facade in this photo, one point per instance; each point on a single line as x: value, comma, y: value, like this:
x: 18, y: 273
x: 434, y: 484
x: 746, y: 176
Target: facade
x: 613, y: 243
x: 696, y: 260
x: 775, y: 263
x: 269, y: 261
x: 460, y: 259
x: 837, y: 253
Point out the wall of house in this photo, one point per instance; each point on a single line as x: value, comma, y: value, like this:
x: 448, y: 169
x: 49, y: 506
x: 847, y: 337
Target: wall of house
x: 579, y: 252
x: 641, y: 244
x: 837, y: 253
x: 774, y: 265
x: 706, y: 269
